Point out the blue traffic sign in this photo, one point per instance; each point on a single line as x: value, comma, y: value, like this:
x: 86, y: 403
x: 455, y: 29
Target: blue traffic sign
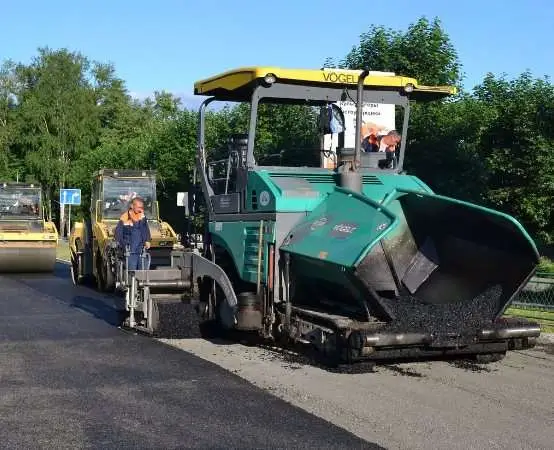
x: 70, y: 196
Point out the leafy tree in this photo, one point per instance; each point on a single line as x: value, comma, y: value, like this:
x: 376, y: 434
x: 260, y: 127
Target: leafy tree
x: 424, y: 51
x: 10, y: 166
x: 517, y: 149
x: 57, y: 116
x: 443, y: 147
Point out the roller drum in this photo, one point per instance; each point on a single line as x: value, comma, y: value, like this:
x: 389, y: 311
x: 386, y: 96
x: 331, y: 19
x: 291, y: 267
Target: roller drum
x: 27, y: 257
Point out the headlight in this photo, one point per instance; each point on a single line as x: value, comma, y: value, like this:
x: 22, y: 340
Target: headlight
x: 270, y: 78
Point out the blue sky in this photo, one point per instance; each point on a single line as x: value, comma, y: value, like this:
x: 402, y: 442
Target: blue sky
x: 169, y: 44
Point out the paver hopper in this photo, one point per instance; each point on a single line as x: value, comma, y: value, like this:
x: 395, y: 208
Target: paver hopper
x: 27, y: 240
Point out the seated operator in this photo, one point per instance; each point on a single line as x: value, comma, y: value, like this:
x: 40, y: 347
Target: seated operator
x: 381, y: 143
x: 132, y: 230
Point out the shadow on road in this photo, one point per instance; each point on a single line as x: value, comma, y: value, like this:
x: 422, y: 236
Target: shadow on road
x: 85, y: 298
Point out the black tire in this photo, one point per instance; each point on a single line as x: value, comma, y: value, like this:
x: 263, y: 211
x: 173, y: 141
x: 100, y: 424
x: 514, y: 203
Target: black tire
x: 109, y: 277
x: 99, y: 276
x: 104, y: 281
x: 75, y: 271
x: 75, y: 263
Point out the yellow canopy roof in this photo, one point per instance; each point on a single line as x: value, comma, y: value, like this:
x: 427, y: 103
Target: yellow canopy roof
x: 240, y: 82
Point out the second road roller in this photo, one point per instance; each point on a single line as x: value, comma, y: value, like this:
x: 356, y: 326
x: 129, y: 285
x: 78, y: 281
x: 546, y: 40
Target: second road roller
x: 28, y: 241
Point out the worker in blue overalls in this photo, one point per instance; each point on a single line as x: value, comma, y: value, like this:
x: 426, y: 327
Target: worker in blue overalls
x: 132, y: 230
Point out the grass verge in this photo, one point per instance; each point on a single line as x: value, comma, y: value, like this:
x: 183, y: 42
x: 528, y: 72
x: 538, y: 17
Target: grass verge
x: 544, y: 318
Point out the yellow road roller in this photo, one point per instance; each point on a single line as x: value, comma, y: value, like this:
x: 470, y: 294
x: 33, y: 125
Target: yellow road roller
x: 91, y: 242
x: 28, y: 242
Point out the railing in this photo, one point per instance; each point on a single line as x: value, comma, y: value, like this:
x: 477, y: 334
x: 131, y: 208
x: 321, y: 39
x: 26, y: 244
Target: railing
x: 538, y: 294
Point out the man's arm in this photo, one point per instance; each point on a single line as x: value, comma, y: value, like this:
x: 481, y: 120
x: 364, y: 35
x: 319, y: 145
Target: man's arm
x: 147, y: 235
x: 118, y: 233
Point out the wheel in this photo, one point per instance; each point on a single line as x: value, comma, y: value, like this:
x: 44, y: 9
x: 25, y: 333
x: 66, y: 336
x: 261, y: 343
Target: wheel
x: 75, y: 271
x: 99, y: 274
x: 106, y: 278
x: 109, y: 277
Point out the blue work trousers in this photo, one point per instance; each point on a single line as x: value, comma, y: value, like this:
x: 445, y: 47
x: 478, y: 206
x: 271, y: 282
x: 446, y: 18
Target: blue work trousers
x: 135, y: 262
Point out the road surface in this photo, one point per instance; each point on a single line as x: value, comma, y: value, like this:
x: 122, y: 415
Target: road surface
x: 69, y: 378
x: 426, y: 405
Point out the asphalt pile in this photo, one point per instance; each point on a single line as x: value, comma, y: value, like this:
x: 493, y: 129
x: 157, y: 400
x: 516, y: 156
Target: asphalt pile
x: 178, y: 321
x: 464, y: 318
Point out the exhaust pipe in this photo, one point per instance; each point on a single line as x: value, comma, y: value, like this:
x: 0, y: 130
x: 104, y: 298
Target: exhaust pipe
x: 350, y: 176
x: 359, y: 110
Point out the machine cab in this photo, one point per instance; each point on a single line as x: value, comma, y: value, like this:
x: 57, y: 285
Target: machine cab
x: 233, y: 175
x: 112, y: 191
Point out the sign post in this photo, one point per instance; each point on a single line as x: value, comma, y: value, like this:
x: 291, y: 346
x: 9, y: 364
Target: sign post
x: 70, y: 197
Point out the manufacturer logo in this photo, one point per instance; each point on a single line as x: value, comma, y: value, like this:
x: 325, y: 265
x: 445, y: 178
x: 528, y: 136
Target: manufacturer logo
x: 335, y: 77
x: 343, y: 230
x: 319, y: 223
x: 264, y: 198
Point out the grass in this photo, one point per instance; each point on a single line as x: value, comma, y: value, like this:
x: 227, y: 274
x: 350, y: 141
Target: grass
x: 544, y: 318
x: 546, y: 266
x: 62, y: 251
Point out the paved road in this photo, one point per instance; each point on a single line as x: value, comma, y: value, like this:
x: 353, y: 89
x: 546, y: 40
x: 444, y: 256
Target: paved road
x: 424, y: 405
x: 70, y: 379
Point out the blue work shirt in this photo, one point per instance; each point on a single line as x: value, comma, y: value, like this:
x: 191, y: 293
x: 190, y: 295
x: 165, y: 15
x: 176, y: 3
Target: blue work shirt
x: 133, y: 234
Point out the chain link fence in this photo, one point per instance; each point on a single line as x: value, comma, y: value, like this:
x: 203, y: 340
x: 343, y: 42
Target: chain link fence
x: 538, y: 294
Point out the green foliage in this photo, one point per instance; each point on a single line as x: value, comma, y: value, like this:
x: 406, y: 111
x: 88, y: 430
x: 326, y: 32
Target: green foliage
x: 546, y: 266
x: 63, y: 116
x: 9, y: 165
x: 518, y: 150
x: 424, y: 51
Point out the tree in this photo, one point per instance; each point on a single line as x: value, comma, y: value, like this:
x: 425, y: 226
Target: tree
x: 287, y: 130
x: 57, y: 116
x: 517, y: 148
x: 10, y: 166
x: 424, y: 51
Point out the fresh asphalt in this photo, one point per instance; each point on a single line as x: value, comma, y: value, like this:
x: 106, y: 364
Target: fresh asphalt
x: 70, y: 378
